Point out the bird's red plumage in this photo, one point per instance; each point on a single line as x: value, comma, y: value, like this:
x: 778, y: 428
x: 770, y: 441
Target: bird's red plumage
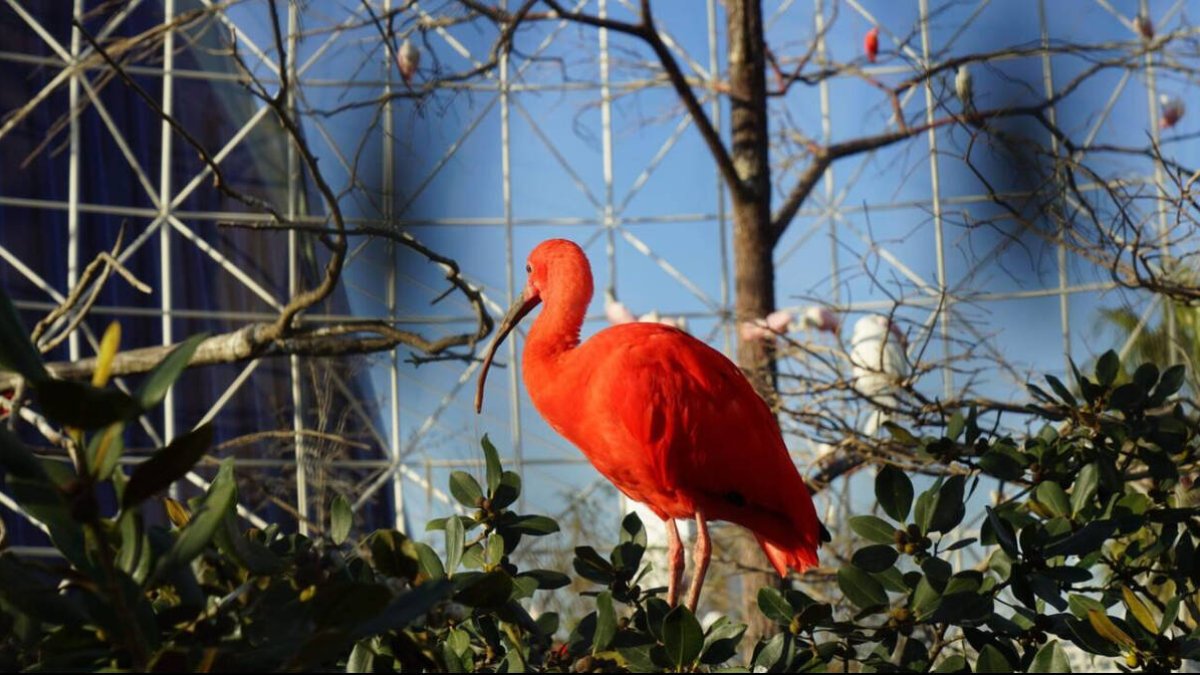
x: 669, y: 420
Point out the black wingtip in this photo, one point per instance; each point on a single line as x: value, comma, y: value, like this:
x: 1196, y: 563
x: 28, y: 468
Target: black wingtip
x: 825, y: 536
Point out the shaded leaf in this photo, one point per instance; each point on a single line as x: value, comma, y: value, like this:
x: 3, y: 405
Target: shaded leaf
x: 17, y: 352
x: 773, y: 606
x: 894, y: 491
x: 861, y: 588
x: 455, y: 542
x: 465, y: 489
x: 154, y: 388
x: 876, y: 558
x: 873, y: 528
x: 494, y: 471
x: 200, y: 530
x: 341, y: 517
x: 1107, y: 367
x: 1051, y: 659
x: 992, y: 660
x: 80, y: 405
x: 682, y: 637
x: 167, y: 465
x: 606, y: 622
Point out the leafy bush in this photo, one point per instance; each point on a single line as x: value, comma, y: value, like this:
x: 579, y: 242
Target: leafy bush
x: 1090, y: 546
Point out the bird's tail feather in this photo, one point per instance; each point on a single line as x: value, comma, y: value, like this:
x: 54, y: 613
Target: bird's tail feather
x: 799, y: 558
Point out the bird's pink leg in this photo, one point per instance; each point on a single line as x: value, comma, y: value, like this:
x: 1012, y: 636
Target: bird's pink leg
x: 700, y: 555
x: 674, y: 562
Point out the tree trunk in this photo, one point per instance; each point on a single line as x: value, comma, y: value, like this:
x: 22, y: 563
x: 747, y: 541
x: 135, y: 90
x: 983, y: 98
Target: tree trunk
x: 753, y: 241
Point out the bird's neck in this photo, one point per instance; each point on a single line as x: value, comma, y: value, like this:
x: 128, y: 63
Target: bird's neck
x: 555, y: 331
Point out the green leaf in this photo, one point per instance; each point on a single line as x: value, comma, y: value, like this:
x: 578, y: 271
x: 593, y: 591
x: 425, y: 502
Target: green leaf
x: 1146, y: 375
x: 1052, y: 496
x: 167, y: 465
x: 26, y: 591
x: 465, y: 489
x: 1005, y: 536
x: 1088, y: 539
x: 991, y: 660
x: 341, y: 517
x: 1062, y: 391
x: 955, y: 426
x: 135, y: 554
x: 773, y: 605
x: 591, y: 566
x: 1002, y: 463
x: 80, y: 405
x: 876, y: 558
x: 548, y: 580
x: 17, y: 352
x: 1085, y: 487
x: 861, y: 588
x: 534, y: 525
x: 494, y: 471
x: 952, y: 664
x: 250, y: 554
x: 206, y: 519
x: 1051, y: 658
x: 947, y: 509
x: 682, y: 637
x: 104, y: 449
x: 894, y: 491
x: 771, y: 653
x: 428, y: 561
x: 1107, y: 367
x: 606, y: 622
x: 508, y: 490
x: 874, y: 529
x: 1171, y: 382
x: 455, y: 542
x: 35, y: 490
x: 721, y: 642
x: 362, y: 658
x: 489, y: 589
x: 154, y: 388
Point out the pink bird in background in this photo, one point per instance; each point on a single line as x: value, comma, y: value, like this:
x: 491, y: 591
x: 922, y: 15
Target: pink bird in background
x: 408, y: 58
x: 1172, y: 111
x: 871, y: 44
x: 782, y: 322
x: 617, y: 313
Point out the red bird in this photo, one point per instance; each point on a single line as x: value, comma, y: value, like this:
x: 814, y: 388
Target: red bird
x: 871, y: 44
x: 668, y: 419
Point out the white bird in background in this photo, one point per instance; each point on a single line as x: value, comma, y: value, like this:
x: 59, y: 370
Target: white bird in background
x: 878, y: 363
x: 815, y: 317
x: 965, y: 89
x: 1172, y: 111
x: 408, y: 57
x: 617, y: 313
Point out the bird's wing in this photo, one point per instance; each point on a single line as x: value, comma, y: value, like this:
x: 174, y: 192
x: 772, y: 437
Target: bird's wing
x: 714, y: 443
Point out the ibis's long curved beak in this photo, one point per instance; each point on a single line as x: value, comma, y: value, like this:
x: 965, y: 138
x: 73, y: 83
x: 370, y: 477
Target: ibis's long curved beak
x: 515, y: 313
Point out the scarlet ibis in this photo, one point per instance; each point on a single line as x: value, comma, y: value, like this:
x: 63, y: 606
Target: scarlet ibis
x: 408, y: 57
x: 871, y: 44
x: 965, y: 89
x: 878, y: 363
x: 670, y: 421
x: 1172, y: 111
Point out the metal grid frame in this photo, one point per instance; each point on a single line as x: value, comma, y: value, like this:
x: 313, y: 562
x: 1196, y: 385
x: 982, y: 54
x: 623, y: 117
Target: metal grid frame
x: 398, y: 469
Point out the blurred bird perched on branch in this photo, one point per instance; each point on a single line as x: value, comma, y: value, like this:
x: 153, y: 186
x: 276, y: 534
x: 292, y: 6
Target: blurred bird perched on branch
x: 964, y: 88
x: 1172, y: 111
x: 879, y: 364
x: 408, y: 59
x: 871, y: 44
x: 1144, y: 26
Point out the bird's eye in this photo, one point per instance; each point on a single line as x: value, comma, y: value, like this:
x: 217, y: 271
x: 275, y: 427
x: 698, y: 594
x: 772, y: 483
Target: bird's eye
x: 528, y: 268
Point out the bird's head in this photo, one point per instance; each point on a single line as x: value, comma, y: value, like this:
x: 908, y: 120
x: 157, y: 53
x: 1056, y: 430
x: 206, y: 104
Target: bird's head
x: 557, y: 271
